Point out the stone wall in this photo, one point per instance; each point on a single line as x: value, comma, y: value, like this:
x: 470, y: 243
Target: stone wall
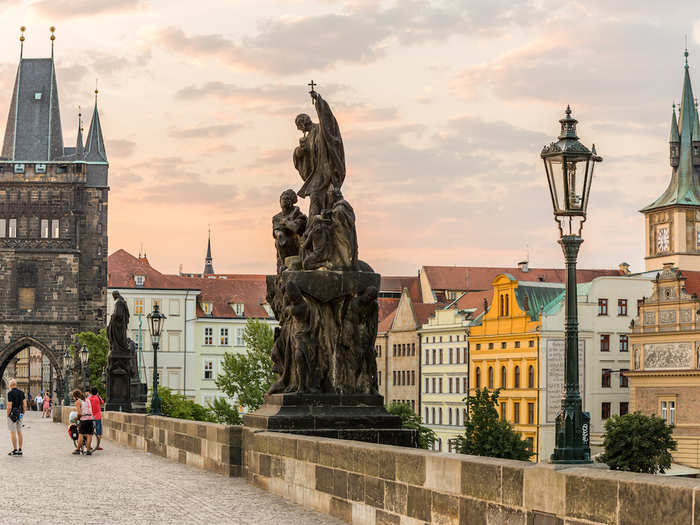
x: 381, y: 485
x: 207, y: 446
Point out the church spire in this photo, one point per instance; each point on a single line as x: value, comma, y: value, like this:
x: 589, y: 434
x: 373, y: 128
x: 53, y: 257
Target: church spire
x: 208, y: 266
x: 79, y: 148
x: 95, y: 145
x: 674, y: 137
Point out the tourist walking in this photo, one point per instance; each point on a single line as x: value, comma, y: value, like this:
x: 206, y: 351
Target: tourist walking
x: 47, y: 406
x: 16, y: 406
x: 39, y: 401
x: 85, y: 427
x: 96, y: 403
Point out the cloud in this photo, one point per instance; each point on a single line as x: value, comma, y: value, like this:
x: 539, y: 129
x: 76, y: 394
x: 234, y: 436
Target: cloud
x: 360, y: 35
x: 121, y: 148
x: 217, y: 130
x: 60, y: 9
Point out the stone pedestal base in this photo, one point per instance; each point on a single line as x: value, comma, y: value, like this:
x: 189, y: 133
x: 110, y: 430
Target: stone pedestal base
x: 357, y: 417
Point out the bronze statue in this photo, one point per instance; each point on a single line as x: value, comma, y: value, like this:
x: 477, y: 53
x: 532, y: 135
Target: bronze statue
x: 118, y: 324
x: 287, y: 228
x: 320, y: 157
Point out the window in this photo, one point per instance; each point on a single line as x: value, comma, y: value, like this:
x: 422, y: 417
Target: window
x: 413, y: 348
x: 624, y: 344
x: 432, y: 418
x: 624, y: 408
x: 427, y: 384
x: 434, y: 354
x: 503, y: 345
x: 441, y: 356
x: 516, y: 378
x: 602, y: 307
x: 477, y: 373
x: 490, y: 377
x: 531, y: 343
x: 427, y: 356
x: 517, y: 344
x: 44, y: 228
x: 605, y: 342
x: 668, y: 411
x: 503, y: 411
x: 605, y: 410
x: 174, y: 342
x: 174, y: 307
x: 238, y: 309
x: 440, y: 418
x: 208, y: 369
x: 449, y: 385
x: 464, y: 352
x: 449, y: 353
x: 138, y: 306
x: 531, y: 377
x: 3, y: 228
x: 440, y: 385
x: 223, y: 336
x: 239, y: 337
x: 531, y: 413
x: 427, y: 413
x: 139, y: 280
x: 516, y: 412
x: 208, y: 336
x: 12, y: 228
x: 434, y: 385
x: 464, y: 385
x: 207, y: 307
x: 622, y: 307
x: 605, y: 378
x: 456, y: 385
x: 413, y: 377
x: 478, y: 346
x: 504, y: 377
x: 490, y: 346
x: 449, y: 416
x: 55, y: 229
x: 394, y: 377
x: 39, y: 168
x: 624, y: 380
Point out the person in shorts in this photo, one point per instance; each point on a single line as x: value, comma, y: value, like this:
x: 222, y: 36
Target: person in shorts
x: 16, y: 406
x: 85, y: 427
x: 96, y: 403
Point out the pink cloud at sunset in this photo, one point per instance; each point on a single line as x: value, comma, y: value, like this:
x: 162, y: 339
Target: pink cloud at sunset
x: 444, y: 106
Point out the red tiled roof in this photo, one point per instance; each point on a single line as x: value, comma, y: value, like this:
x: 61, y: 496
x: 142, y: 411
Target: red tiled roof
x: 122, y: 266
x: 397, y: 284
x: 423, y: 311
x: 474, y: 300
x: 692, y: 282
x: 385, y: 324
x: 386, y: 306
x: 248, y: 289
x: 474, y: 278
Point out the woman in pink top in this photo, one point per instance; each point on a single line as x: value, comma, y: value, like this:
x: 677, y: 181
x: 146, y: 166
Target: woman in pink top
x: 47, y: 406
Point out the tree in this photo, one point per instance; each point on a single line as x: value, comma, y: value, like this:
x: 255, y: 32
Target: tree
x: 246, y: 377
x: 638, y: 443
x: 410, y: 420
x: 178, y: 406
x: 98, y: 346
x: 222, y: 412
x: 486, y: 434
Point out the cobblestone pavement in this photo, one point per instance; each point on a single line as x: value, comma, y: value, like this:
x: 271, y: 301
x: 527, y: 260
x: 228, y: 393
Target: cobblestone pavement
x: 49, y: 485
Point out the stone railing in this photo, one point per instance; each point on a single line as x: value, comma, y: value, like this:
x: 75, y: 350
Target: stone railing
x: 208, y: 446
x: 378, y: 484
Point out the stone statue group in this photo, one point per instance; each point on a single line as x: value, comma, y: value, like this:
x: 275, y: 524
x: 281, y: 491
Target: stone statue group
x: 324, y: 298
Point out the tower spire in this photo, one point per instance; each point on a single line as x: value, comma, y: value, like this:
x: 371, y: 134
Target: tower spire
x: 21, y: 41
x: 95, y: 145
x: 674, y: 137
x: 79, y: 149
x: 208, y: 266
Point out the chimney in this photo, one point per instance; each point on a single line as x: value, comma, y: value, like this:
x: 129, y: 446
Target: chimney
x: 486, y: 305
x: 624, y: 268
x: 523, y: 265
x: 180, y: 269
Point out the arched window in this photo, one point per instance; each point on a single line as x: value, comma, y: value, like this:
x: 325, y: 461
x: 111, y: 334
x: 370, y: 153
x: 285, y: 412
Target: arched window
x: 502, y: 310
x: 478, y: 377
x: 506, y: 303
x: 516, y: 379
x: 504, y: 377
x: 531, y: 377
x: 490, y: 377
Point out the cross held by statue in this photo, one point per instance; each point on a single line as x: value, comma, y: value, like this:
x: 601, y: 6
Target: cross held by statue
x: 312, y: 84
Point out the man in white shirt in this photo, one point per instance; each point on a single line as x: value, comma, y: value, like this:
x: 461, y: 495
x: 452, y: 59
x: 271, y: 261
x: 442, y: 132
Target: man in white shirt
x: 39, y: 401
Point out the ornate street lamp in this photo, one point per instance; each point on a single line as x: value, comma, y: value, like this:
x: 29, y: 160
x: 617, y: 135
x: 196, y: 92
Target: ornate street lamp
x: 67, y: 364
x: 84, y: 355
x: 155, y: 325
x: 569, y: 166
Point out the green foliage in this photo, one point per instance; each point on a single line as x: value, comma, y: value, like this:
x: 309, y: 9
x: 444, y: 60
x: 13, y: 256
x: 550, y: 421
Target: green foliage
x: 638, y: 443
x: 178, y: 406
x: 222, y: 412
x: 409, y: 419
x: 486, y: 434
x: 98, y: 346
x: 246, y: 377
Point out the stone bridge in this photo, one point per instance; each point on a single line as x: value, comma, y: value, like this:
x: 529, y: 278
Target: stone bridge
x: 162, y: 470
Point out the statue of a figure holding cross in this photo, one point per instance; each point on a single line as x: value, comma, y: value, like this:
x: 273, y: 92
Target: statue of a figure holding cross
x: 320, y: 157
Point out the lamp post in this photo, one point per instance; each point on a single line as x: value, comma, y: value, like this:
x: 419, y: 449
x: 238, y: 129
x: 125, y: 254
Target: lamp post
x: 67, y: 362
x: 569, y: 189
x: 84, y: 354
x: 155, y: 325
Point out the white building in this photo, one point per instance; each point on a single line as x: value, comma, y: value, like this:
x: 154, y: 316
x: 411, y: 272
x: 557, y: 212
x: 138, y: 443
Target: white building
x: 606, y: 307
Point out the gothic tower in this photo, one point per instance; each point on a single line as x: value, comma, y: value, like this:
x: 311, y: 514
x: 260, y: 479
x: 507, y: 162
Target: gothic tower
x: 53, y: 221
x: 672, y: 222
x: 208, y: 266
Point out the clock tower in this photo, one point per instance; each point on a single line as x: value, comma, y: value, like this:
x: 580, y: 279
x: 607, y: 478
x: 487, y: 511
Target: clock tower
x: 672, y: 222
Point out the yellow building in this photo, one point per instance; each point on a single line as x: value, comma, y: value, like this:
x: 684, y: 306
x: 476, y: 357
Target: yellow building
x: 504, y: 350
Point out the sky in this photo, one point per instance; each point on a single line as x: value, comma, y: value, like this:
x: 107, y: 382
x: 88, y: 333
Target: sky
x: 444, y: 107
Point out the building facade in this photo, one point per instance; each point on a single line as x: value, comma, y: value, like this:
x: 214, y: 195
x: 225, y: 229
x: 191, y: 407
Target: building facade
x: 53, y: 222
x: 606, y: 308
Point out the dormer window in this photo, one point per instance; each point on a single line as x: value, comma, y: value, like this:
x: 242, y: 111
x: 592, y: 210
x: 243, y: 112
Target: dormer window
x: 238, y: 308
x: 140, y: 280
x: 40, y: 168
x: 37, y: 96
x: 207, y: 308
x: 19, y: 168
x: 270, y: 313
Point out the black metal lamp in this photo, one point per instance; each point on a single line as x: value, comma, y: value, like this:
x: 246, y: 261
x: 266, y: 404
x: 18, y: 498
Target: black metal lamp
x: 155, y: 326
x: 67, y: 364
x: 569, y: 166
x: 84, y: 355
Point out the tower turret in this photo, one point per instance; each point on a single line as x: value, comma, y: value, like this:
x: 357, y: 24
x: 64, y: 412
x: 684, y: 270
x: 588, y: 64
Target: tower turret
x: 208, y: 266
x: 674, y: 141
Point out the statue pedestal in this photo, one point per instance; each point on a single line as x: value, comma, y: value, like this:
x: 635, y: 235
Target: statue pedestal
x: 358, y: 417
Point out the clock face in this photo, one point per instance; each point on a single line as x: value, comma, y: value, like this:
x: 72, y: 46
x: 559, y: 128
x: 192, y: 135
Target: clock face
x: 662, y: 240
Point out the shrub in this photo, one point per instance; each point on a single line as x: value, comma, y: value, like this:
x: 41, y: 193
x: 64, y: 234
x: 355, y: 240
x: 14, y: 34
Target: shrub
x: 638, y: 443
x: 224, y: 413
x: 178, y: 406
x: 411, y: 420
